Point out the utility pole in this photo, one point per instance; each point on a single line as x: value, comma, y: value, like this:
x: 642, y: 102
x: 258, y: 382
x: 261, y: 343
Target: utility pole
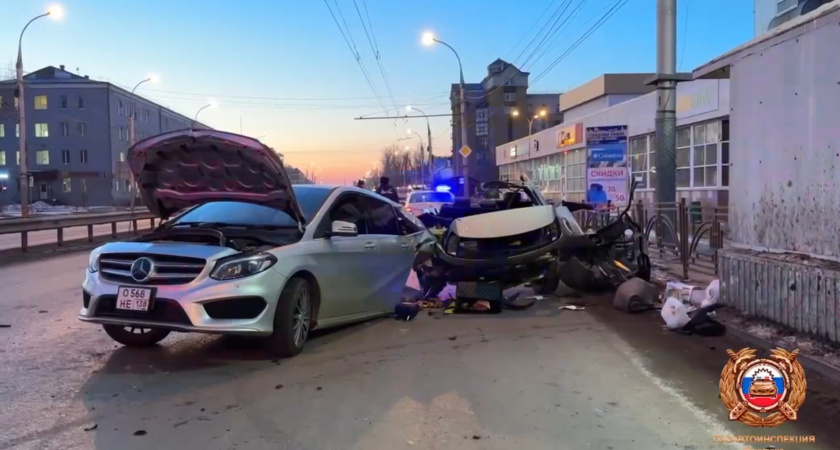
x: 431, y: 155
x: 665, y: 140
x: 24, y: 158
x: 463, y: 114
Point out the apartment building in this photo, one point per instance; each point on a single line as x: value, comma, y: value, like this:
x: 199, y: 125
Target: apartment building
x: 490, y: 117
x: 77, y: 137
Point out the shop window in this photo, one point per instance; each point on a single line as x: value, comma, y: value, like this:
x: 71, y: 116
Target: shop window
x: 683, y: 157
x: 576, y: 171
x: 639, y: 151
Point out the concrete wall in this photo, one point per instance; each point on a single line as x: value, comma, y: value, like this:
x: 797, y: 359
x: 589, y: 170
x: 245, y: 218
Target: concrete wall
x: 786, y: 142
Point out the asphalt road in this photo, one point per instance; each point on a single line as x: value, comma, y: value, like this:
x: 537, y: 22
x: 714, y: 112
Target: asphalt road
x: 541, y: 378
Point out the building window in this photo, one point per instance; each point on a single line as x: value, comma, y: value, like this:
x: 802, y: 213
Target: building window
x: 65, y: 157
x: 65, y: 129
x: 42, y: 157
x: 83, y: 156
x: 120, y: 133
x: 17, y: 158
x: 724, y: 153
x: 122, y: 156
x: 510, y: 97
x: 63, y: 101
x: 482, y: 142
x: 40, y: 102
x: 17, y: 130
x: 683, y: 157
x: 117, y: 185
x: 82, y: 128
x: 66, y: 184
x: 638, y: 148
x: 81, y: 102
x: 576, y: 171
x: 84, y: 185
x: 2, y: 130
x: 120, y: 107
x: 42, y: 130
x: 2, y: 158
x: 481, y: 129
x: 704, y: 154
x: 481, y: 114
x: 147, y: 115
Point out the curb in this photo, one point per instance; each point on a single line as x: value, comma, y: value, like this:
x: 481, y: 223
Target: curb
x: 825, y: 370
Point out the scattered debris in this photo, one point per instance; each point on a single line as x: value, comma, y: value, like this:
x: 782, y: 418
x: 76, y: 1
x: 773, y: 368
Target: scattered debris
x: 452, y: 338
x: 476, y: 437
x: 406, y: 310
x: 319, y: 388
x: 91, y: 427
x: 43, y: 311
x: 5, y: 325
x: 691, y: 310
x: 572, y: 307
x: 601, y: 411
x: 279, y: 386
x: 635, y: 295
x: 140, y: 433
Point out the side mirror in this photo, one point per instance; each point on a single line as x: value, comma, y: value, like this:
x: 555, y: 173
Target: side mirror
x: 341, y: 228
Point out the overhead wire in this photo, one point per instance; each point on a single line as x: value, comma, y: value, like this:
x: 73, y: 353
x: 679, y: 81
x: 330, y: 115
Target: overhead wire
x: 604, y: 18
x: 351, y: 44
x: 553, y: 30
x: 433, y: 95
x: 374, y: 47
x: 536, y: 22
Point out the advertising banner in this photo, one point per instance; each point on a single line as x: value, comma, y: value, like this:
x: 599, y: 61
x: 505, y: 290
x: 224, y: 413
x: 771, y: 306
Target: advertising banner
x: 607, y: 173
x: 569, y: 135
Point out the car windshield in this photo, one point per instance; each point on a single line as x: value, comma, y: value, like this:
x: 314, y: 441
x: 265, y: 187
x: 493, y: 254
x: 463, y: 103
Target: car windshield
x: 431, y: 197
x: 249, y: 214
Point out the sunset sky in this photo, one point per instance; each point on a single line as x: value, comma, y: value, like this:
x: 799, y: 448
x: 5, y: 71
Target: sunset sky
x: 283, y: 69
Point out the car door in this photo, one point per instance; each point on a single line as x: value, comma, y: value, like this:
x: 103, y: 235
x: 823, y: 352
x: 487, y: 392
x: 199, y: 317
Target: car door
x: 342, y: 261
x: 396, y: 253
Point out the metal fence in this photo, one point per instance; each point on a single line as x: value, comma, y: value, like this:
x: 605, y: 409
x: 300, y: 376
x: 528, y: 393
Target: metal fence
x: 681, y: 236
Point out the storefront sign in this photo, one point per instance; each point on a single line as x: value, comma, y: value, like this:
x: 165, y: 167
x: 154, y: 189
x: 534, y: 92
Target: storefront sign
x: 612, y: 180
x: 570, y: 135
x: 513, y: 152
x: 697, y: 97
x: 607, y: 170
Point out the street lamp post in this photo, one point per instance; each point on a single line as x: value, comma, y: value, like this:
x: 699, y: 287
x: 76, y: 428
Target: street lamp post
x: 428, y: 144
x: 537, y: 116
x: 210, y: 104
x: 421, y: 153
x: 429, y: 39
x: 132, y: 139
x: 24, y: 158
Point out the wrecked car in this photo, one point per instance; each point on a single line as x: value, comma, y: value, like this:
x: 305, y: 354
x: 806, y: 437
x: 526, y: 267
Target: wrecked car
x: 243, y: 250
x: 521, y: 237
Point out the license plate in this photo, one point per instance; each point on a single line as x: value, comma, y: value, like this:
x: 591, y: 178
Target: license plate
x: 134, y: 298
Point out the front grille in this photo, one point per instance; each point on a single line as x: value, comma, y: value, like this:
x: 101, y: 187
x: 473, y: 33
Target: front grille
x: 168, y: 269
x: 504, y: 246
x: 163, y: 310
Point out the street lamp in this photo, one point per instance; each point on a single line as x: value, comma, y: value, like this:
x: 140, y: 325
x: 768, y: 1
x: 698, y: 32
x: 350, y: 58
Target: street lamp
x: 210, y: 104
x: 132, y: 139
x: 429, y: 39
x: 409, y: 108
x: 540, y: 115
x: 56, y: 12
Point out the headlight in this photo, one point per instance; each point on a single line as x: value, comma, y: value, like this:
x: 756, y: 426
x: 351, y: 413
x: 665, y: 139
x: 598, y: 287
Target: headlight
x: 93, y: 261
x: 240, y: 266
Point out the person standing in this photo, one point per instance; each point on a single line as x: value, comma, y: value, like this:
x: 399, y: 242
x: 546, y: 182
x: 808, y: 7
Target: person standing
x: 386, y: 190
x: 360, y: 184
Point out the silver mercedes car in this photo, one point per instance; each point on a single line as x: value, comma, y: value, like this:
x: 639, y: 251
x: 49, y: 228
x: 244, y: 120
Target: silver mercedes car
x: 243, y: 251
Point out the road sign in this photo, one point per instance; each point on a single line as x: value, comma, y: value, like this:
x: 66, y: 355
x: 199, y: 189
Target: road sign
x: 465, y: 151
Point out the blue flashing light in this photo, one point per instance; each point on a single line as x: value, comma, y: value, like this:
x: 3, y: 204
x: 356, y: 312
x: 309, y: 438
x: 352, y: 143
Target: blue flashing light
x: 443, y: 188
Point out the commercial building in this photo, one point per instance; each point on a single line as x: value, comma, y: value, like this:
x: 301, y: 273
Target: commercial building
x: 77, y: 137
x: 489, y: 116
x: 786, y: 163
x: 770, y: 14
x: 558, y: 162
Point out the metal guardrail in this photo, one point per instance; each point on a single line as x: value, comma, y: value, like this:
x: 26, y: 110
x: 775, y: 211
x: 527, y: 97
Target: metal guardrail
x: 59, y: 223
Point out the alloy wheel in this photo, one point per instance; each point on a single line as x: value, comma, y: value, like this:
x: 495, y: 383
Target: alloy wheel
x: 301, y: 317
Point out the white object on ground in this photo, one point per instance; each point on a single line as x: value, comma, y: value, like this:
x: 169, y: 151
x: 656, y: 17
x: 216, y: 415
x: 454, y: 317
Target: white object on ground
x: 572, y: 307
x: 675, y: 314
x: 712, y: 294
x: 688, y: 294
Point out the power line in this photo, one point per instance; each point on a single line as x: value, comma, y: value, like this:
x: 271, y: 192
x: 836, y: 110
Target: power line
x: 312, y: 99
x: 375, y: 49
x: 558, y: 14
x: 561, y: 27
x: 348, y: 39
x: 536, y: 22
x: 604, y: 18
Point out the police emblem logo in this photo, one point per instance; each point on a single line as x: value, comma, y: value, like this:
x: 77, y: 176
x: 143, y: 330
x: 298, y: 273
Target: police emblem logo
x: 763, y: 392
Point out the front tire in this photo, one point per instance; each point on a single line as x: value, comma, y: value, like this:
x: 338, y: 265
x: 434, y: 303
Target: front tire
x: 292, y: 319
x: 549, y: 283
x: 135, y: 337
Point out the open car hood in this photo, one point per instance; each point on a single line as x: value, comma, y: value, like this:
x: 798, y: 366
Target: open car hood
x: 182, y: 168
